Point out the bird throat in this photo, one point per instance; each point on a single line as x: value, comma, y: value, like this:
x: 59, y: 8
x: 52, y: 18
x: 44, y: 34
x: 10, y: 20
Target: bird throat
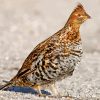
x: 72, y: 31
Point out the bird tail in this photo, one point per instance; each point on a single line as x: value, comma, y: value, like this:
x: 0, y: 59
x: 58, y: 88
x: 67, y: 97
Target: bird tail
x: 6, y: 86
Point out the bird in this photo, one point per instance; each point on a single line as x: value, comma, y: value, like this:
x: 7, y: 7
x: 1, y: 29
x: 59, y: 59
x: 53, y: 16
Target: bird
x: 55, y: 58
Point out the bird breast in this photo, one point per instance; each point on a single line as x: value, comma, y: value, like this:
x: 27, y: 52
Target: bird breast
x: 55, y: 65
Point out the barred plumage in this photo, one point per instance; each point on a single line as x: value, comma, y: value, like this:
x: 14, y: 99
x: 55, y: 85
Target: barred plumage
x: 55, y: 58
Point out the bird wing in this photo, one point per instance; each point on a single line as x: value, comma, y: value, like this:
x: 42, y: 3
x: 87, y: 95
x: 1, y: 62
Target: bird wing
x: 32, y: 57
x: 45, y: 49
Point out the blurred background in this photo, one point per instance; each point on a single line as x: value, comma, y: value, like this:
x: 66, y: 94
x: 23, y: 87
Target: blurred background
x: 25, y: 23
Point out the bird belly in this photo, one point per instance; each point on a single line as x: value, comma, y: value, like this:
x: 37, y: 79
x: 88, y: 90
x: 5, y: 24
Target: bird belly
x: 64, y: 68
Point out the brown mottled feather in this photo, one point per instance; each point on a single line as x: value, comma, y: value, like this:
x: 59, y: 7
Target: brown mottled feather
x: 55, y: 58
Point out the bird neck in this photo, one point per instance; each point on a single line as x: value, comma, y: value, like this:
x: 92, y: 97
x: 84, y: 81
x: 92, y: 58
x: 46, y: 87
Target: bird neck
x: 73, y: 25
x: 72, y: 30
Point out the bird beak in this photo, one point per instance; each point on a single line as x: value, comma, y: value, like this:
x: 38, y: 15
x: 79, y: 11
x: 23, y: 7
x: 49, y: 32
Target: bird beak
x: 88, y: 16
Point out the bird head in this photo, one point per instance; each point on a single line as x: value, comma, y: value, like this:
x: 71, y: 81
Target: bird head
x: 79, y: 15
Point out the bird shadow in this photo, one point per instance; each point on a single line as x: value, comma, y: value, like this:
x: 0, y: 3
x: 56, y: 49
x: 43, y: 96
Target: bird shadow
x: 26, y: 90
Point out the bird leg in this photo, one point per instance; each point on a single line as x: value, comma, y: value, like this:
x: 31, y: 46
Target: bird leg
x: 54, y: 89
x: 38, y: 88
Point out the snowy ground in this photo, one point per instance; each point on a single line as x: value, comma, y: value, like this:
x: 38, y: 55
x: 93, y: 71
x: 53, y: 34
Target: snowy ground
x: 25, y: 23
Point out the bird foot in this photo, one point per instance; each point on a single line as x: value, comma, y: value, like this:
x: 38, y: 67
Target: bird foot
x: 42, y: 95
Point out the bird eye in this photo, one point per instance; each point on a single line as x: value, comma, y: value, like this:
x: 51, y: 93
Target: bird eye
x: 79, y: 15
